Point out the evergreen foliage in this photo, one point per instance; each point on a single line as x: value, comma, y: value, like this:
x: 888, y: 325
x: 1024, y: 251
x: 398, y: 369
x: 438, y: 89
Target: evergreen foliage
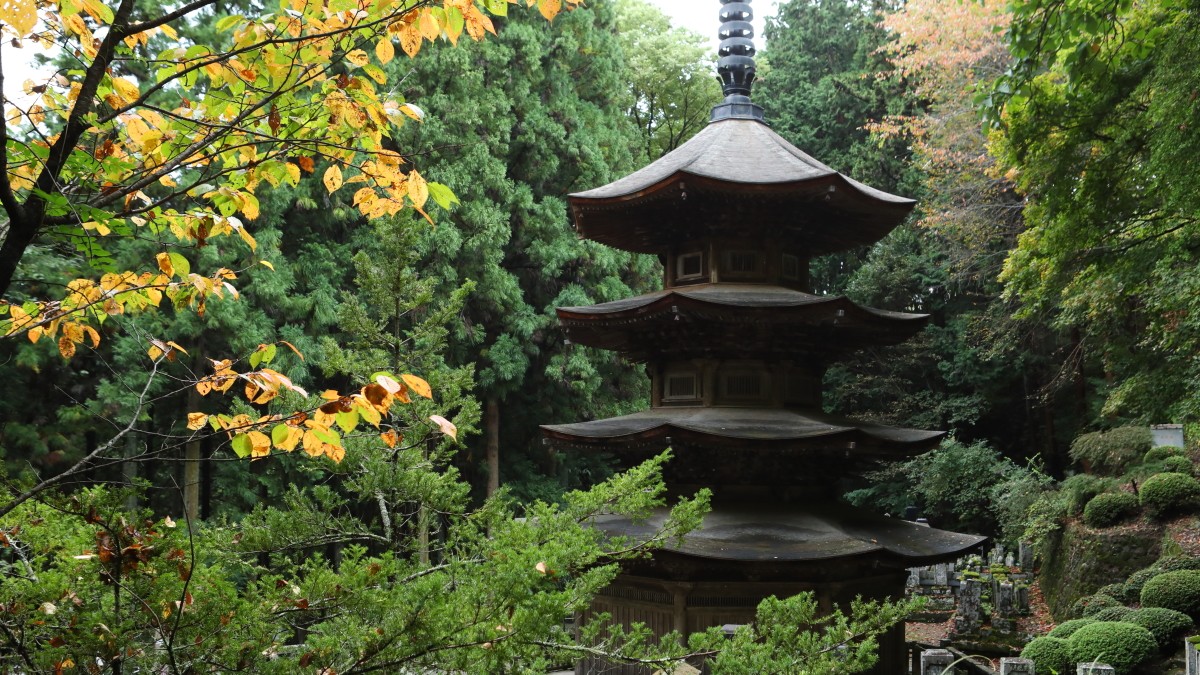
x: 1109, y: 509
x: 1178, y: 590
x: 1066, y: 629
x: 1168, y: 494
x: 1124, y: 646
x: 1110, y: 452
x: 1049, y: 654
x: 1167, y: 625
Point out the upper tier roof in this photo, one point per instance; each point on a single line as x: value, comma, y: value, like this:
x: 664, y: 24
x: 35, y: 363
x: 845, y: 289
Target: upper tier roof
x: 735, y: 320
x: 734, y: 176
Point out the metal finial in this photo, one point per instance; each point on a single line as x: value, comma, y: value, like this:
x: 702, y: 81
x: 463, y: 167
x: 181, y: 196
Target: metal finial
x: 736, y: 66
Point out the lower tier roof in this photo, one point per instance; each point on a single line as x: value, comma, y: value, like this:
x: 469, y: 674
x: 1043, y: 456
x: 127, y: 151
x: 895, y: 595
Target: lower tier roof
x: 796, y: 533
x: 727, y: 426
x: 743, y: 320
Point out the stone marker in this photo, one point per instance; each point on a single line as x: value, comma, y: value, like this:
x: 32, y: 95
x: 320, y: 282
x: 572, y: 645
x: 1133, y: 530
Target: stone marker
x: 941, y: 575
x: 1191, y: 651
x: 1005, y: 600
x: 1095, y: 669
x: 935, y: 661
x: 970, y: 606
x: 1025, y: 556
x: 1011, y: 665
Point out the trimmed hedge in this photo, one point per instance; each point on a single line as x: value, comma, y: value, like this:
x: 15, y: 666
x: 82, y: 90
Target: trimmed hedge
x: 1162, y: 452
x: 1113, y: 614
x: 1168, y: 494
x: 1166, y: 625
x: 1049, y: 654
x: 1171, y: 563
x: 1086, y: 607
x: 1081, y: 488
x: 1109, y: 509
x: 1119, y: 592
x: 1124, y: 646
x: 1178, y: 465
x: 1137, y: 580
x: 1066, y: 629
x: 1178, y: 590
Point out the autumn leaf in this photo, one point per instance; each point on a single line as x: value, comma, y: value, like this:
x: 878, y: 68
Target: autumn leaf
x: 419, y: 386
x: 66, y: 347
x: 358, y: 57
x: 332, y: 178
x: 307, y: 164
x: 445, y: 425
x: 196, y: 421
x: 384, y: 51
x: 390, y: 437
x: 18, y: 16
x: 549, y: 8
x: 410, y: 39
x: 389, y: 384
x: 418, y: 190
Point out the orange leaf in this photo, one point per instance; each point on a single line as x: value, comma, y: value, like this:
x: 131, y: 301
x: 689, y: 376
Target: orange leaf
x: 307, y: 164
x: 418, y: 385
x: 410, y: 39
x: 549, y: 8
x: 66, y: 347
x: 196, y: 421
x: 390, y: 437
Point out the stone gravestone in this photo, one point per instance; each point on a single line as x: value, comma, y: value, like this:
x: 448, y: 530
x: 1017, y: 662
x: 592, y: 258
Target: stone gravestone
x: 1191, y: 651
x: 936, y: 662
x: 914, y: 577
x: 1025, y: 556
x: 1008, y: 560
x: 1005, y: 600
x: 1023, y: 600
x: 1095, y: 669
x: 970, y: 607
x: 941, y: 575
x: 1011, y: 665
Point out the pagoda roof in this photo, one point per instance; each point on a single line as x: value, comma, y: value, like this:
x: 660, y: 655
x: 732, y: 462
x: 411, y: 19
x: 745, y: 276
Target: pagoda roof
x: 780, y: 533
x: 733, y: 175
x: 777, y: 428
x: 752, y: 318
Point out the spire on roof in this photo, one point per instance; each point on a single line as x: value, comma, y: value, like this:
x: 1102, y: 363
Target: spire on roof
x: 736, y: 66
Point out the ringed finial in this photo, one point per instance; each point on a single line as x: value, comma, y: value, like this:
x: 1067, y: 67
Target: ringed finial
x: 735, y: 65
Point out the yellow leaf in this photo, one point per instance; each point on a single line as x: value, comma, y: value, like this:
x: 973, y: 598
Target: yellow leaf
x: 410, y: 39
x: 196, y: 421
x: 260, y: 444
x: 294, y: 434
x: 35, y: 334
x: 549, y: 8
x: 127, y: 90
x: 358, y: 57
x: 418, y: 385
x: 246, y: 235
x: 95, y: 337
x: 312, y: 444
x: 164, y: 264
x: 19, y: 15
x: 445, y: 425
x: 428, y: 23
x: 333, y: 178
x: 293, y: 173
x: 391, y: 438
x: 477, y: 23
x: 384, y: 51
x: 267, y: 264
x: 418, y: 190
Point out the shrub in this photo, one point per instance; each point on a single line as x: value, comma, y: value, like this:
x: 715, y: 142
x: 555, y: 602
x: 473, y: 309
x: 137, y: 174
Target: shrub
x: 1066, y: 629
x: 1177, y: 465
x: 1172, y: 563
x: 1162, y: 452
x: 1049, y: 654
x: 1112, y: 614
x: 1082, y: 488
x: 1168, y: 494
x: 1178, y: 590
x: 1086, y: 607
x: 1109, y: 509
x: 1138, y: 579
x: 1166, y: 625
x: 1118, y: 591
x: 1121, y: 645
x: 1109, y: 452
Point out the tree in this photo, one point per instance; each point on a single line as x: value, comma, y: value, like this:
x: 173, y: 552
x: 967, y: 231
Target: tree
x: 1094, y: 125
x: 673, y: 83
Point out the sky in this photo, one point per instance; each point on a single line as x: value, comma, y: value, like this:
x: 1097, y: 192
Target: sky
x: 700, y: 16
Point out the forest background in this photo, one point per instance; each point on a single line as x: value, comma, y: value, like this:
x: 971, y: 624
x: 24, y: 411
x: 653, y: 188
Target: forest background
x: 1048, y: 144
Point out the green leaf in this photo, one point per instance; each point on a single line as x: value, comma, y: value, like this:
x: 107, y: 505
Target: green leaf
x: 242, y: 445
x: 497, y: 7
x: 442, y: 195
x: 269, y: 354
x: 181, y: 264
x: 347, y: 420
x: 279, y: 433
x: 327, y: 436
x: 229, y: 22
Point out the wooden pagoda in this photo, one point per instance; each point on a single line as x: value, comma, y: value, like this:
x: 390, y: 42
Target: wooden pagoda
x: 736, y: 345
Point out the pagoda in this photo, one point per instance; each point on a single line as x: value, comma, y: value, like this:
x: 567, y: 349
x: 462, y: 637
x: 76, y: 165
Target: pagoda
x: 736, y: 345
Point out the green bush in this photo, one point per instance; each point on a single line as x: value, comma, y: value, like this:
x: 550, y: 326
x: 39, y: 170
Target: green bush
x: 1166, y: 625
x: 1113, y: 614
x: 1172, y: 563
x: 1066, y: 629
x: 1133, y: 585
x: 1162, y: 452
x: 1082, y: 488
x: 1178, y: 590
x: 1049, y: 654
x: 1087, y: 606
x: 1168, y: 494
x: 1124, y: 646
x: 1109, y: 509
x: 1118, y: 591
x: 1177, y: 465
x: 1110, y: 452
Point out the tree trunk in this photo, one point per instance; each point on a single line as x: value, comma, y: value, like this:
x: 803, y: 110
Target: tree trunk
x: 493, y: 445
x: 191, y: 468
